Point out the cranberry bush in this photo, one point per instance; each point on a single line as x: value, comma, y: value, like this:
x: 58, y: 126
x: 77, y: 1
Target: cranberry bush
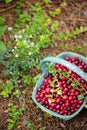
x: 63, y: 91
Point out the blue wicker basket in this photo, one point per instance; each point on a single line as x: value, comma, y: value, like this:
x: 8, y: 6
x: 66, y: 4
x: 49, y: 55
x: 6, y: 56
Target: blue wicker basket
x: 53, y: 60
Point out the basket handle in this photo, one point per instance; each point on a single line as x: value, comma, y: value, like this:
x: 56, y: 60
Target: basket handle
x: 63, y: 62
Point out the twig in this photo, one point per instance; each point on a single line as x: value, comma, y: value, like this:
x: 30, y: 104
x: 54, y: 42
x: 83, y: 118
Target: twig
x: 10, y: 7
x: 74, y: 20
x: 75, y: 4
x: 6, y: 5
x: 3, y: 6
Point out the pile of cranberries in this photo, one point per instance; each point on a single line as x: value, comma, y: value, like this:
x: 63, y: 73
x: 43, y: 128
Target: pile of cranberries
x: 78, y: 62
x: 62, y: 97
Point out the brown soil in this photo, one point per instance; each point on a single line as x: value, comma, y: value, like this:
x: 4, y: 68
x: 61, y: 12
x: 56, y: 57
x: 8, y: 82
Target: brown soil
x: 71, y: 17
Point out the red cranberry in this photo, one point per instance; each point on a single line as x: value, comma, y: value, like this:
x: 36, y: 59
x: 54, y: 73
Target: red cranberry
x: 48, y: 90
x: 58, y: 100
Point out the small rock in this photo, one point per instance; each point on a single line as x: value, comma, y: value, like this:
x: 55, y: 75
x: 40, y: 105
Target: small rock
x: 24, y: 122
x: 63, y: 125
x: 5, y: 111
x: 85, y: 13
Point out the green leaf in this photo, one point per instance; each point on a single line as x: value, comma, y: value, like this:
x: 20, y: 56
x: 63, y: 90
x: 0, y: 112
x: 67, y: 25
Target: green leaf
x: 47, y: 115
x: 8, y: 1
x: 51, y: 69
x: 59, y: 92
x: 57, y: 89
x: 46, y: 1
x: 1, y: 21
x: 52, y: 84
x: 52, y: 100
x: 75, y: 81
x: 30, y: 125
x: 49, y: 95
x: 74, y: 86
x: 63, y: 45
x: 85, y: 105
x: 2, y: 46
x: 4, y: 94
x: 57, y: 11
x: 86, y: 99
x: 2, y: 29
x: 81, y: 28
x: 80, y: 97
x: 81, y: 90
x: 68, y: 81
x: 52, y: 13
x: 54, y: 26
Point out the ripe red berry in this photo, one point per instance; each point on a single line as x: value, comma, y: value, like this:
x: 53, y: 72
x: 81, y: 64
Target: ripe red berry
x: 65, y: 97
x: 58, y: 100
x: 48, y: 90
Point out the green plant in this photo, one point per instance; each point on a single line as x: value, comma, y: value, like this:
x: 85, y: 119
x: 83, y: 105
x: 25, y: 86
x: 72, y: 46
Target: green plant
x: 30, y: 125
x: 14, y: 114
x: 19, y: 5
x: 46, y: 1
x: 27, y: 79
x: 30, y: 33
x: 20, y: 62
x: 68, y: 35
x: 2, y: 30
x: 47, y: 115
x: 2, y: 26
x: 6, y: 89
x: 2, y: 46
x: 34, y: 80
x: 8, y: 1
x: 55, y: 12
x: 58, y: 10
x: 23, y: 18
x: 17, y: 93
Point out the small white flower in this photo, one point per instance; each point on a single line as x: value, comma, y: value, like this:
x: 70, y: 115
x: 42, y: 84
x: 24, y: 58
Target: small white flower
x: 30, y: 36
x: 20, y: 36
x: 8, y: 80
x: 16, y: 40
x: 19, y: 31
x: 16, y: 55
x: 12, y: 50
x: 10, y: 36
x: 23, y: 30
x: 10, y: 72
x: 28, y: 46
x: 15, y: 47
x: 16, y: 36
x: 32, y: 43
x: 10, y: 28
x: 24, y: 41
x: 29, y: 53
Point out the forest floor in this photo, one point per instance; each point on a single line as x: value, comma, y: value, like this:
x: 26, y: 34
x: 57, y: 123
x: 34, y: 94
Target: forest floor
x: 71, y: 16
